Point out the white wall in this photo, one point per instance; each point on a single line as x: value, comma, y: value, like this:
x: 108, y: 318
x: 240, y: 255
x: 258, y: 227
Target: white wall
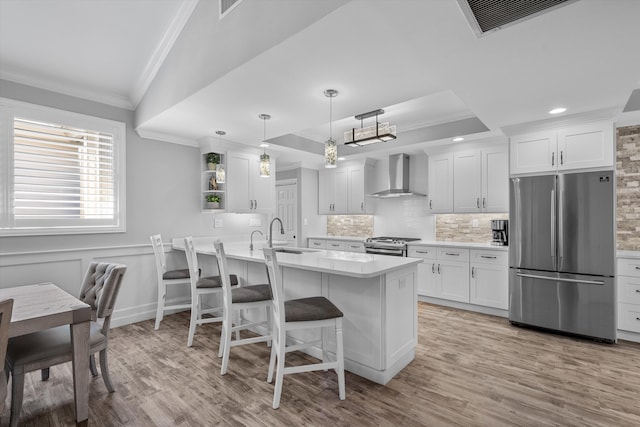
x: 163, y: 196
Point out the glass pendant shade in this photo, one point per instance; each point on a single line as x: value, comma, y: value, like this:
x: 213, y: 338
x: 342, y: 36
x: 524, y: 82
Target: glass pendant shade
x: 265, y: 166
x: 330, y: 153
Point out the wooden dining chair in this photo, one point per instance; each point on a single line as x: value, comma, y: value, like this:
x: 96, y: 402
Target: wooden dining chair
x: 235, y: 300
x: 6, y: 308
x: 303, y: 313
x: 50, y: 347
x: 167, y: 279
x: 200, y: 287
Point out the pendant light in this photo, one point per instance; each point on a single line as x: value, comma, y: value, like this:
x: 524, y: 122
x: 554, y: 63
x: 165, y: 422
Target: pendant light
x: 330, y: 146
x: 220, y: 175
x: 265, y: 160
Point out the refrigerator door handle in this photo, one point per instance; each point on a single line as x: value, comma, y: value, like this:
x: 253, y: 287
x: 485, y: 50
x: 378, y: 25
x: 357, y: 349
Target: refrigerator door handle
x: 557, y: 279
x: 560, y: 224
x: 553, y: 229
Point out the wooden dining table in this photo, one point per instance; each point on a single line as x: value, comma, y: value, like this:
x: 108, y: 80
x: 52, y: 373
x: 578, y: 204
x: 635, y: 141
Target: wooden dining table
x: 43, y: 306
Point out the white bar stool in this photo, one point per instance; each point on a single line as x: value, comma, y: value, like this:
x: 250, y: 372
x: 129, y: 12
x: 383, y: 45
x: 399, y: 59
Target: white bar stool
x: 165, y: 279
x: 202, y: 286
x: 235, y: 300
x: 303, y: 313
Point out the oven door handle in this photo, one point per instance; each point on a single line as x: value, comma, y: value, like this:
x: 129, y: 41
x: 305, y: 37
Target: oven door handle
x: 394, y: 252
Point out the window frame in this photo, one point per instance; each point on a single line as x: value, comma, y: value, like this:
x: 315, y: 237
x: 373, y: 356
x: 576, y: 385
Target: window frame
x: 9, y: 109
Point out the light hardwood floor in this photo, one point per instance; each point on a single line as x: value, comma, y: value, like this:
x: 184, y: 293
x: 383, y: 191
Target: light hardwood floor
x: 470, y: 370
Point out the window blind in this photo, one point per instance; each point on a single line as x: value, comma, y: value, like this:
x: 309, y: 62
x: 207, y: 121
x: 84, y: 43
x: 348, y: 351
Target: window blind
x: 63, y: 176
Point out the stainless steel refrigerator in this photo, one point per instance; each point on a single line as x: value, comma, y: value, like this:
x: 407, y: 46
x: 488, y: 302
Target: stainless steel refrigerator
x: 562, y: 253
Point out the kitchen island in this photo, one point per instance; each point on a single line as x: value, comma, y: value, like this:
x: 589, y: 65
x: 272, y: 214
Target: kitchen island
x: 376, y: 293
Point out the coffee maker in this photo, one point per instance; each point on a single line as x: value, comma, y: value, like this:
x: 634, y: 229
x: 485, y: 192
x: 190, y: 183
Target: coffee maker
x: 500, y: 232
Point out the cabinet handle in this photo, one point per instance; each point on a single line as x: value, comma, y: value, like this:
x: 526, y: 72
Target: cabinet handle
x: 422, y: 252
x: 638, y: 291
x: 433, y: 268
x: 362, y: 206
x: 255, y: 204
x: 250, y: 204
x: 451, y: 254
x: 478, y: 202
x: 488, y: 257
x: 561, y: 160
x: 430, y: 201
x: 484, y: 202
x: 553, y: 159
x: 637, y: 268
x: 473, y: 272
x: 438, y: 268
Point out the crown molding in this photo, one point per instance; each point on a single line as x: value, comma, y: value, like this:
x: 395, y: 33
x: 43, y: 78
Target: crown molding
x: 165, y: 137
x: 24, y: 77
x: 162, y: 50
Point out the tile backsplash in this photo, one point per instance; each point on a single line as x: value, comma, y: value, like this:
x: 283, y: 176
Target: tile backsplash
x: 628, y: 188
x: 350, y: 225
x: 460, y: 227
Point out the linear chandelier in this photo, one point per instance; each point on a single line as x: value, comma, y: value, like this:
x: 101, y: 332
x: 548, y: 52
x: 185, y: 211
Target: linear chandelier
x: 380, y: 132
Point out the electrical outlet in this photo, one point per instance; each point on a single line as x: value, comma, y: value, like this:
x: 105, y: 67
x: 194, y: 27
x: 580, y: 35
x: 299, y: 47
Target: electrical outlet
x: 217, y: 223
x: 474, y: 222
x: 255, y: 222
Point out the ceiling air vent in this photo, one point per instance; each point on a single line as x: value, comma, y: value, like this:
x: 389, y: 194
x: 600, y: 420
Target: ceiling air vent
x: 226, y: 6
x: 491, y: 15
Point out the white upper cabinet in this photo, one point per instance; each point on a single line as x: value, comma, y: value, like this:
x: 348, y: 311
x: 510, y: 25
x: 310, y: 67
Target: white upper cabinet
x: 441, y: 183
x: 332, y: 194
x: 495, y: 179
x: 344, y: 190
x: 466, y: 183
x: 589, y: 145
x: 247, y: 191
x: 470, y: 181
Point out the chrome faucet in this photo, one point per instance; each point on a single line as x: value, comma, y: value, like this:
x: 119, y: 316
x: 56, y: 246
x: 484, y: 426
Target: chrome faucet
x: 251, y: 244
x: 270, y: 231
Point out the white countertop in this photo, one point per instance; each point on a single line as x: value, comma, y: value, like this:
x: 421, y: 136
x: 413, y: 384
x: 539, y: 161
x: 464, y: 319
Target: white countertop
x: 459, y: 245
x: 351, y: 264
x: 345, y: 238
x: 628, y: 254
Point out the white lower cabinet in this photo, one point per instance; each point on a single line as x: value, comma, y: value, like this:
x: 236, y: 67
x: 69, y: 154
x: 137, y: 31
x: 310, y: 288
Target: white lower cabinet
x: 489, y: 285
x: 628, y: 283
x: 453, y: 274
x: 337, y: 245
x: 475, y: 276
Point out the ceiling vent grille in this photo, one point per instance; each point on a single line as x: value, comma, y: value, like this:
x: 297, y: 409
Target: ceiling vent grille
x: 226, y: 6
x: 491, y: 15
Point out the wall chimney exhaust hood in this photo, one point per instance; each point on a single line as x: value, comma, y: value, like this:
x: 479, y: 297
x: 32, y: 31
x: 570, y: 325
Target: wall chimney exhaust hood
x: 398, y: 178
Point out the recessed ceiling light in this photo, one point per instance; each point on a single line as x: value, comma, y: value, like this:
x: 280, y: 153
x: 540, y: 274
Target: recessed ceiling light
x: 341, y: 158
x: 458, y: 139
x: 264, y: 145
x: 558, y: 110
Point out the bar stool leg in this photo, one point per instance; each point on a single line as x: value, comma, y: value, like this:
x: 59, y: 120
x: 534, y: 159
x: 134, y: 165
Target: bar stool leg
x: 340, y: 357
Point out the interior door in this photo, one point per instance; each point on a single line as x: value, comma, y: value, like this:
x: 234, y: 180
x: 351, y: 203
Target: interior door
x: 287, y: 208
x: 532, y: 224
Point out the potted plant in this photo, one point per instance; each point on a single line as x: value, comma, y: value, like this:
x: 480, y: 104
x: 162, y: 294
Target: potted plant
x: 212, y: 160
x: 213, y: 201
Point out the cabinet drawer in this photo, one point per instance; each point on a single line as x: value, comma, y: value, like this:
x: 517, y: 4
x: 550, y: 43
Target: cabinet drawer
x: 629, y: 317
x: 317, y: 243
x: 354, y: 247
x: 489, y: 257
x: 628, y: 289
x: 335, y: 245
x: 453, y: 254
x: 426, y: 252
x: 629, y: 267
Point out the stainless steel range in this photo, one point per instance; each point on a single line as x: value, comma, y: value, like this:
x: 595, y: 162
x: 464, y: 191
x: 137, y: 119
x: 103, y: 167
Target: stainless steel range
x: 394, y: 246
